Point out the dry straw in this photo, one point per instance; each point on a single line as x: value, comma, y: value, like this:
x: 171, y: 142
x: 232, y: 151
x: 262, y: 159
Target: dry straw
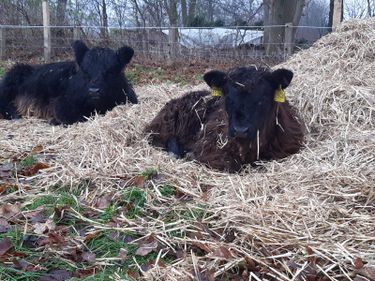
x: 316, y: 205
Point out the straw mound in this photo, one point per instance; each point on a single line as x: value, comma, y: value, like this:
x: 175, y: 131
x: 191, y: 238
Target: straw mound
x: 312, y: 212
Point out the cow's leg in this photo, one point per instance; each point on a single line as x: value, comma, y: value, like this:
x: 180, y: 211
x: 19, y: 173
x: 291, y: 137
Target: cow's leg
x: 8, y: 111
x: 66, y: 112
x: 174, y: 147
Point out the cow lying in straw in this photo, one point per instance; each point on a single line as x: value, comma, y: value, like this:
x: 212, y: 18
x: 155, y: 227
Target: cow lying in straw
x: 68, y: 92
x: 246, y: 118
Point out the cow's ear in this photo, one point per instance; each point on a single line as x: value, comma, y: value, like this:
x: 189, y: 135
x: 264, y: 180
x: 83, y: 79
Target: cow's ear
x: 124, y: 55
x: 281, y: 77
x: 215, y: 78
x: 80, y: 50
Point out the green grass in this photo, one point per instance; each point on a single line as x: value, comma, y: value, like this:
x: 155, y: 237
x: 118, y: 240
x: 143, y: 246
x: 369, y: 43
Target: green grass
x: 55, y: 200
x: 167, y: 190
x: 29, y: 161
x: 134, y: 199
x: 138, y: 73
x: 31, y: 256
x: 149, y: 173
x: 47, y: 200
x: 108, y: 213
x: 195, y: 213
x: 75, y: 189
x: 2, y: 72
x: 12, y: 274
x: 105, y: 275
x: 105, y: 247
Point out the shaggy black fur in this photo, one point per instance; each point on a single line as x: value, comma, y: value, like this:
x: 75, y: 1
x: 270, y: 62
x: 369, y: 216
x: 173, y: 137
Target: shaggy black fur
x: 222, y: 132
x: 68, y: 92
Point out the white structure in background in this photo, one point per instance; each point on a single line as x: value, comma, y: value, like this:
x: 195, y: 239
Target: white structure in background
x: 218, y: 37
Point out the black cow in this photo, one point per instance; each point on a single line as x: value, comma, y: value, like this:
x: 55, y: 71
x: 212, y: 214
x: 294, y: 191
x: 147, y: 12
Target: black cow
x: 68, y: 92
x: 248, y: 119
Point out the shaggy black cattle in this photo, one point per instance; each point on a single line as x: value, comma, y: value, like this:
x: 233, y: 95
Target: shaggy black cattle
x: 244, y: 120
x: 67, y: 92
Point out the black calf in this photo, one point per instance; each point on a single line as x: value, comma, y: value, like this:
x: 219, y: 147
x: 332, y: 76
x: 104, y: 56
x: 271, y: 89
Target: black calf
x: 68, y: 92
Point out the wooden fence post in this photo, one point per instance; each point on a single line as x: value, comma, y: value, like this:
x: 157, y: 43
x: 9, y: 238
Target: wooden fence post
x: 76, y: 33
x: 2, y: 43
x: 337, y: 13
x: 46, y: 32
x: 173, y: 43
x: 288, y: 39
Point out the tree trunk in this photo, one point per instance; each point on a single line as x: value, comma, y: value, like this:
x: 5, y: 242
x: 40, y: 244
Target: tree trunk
x: 266, y: 22
x: 337, y: 16
x: 104, y: 29
x: 60, y: 21
x: 210, y: 11
x: 369, y: 8
x: 184, y: 13
x: 330, y: 17
x: 281, y: 13
x: 191, y: 12
x: 171, y: 6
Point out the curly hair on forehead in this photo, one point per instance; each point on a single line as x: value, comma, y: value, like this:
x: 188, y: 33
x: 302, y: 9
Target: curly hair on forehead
x: 247, y: 76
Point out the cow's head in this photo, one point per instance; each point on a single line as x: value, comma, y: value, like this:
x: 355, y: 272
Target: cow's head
x: 249, y: 96
x: 101, y: 67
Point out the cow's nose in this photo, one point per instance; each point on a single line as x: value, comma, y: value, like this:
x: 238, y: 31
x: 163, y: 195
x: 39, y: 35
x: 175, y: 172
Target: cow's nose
x: 240, y: 131
x: 94, y: 90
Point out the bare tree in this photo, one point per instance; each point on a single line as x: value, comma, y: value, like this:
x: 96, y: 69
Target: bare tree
x: 101, y: 11
x: 60, y: 20
x: 171, y: 7
x: 279, y: 14
x: 359, y: 8
x: 239, y: 12
x: 188, y: 11
x: 338, y: 12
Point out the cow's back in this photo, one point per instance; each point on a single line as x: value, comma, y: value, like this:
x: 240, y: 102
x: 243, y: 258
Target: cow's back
x: 181, y: 118
x: 49, y: 80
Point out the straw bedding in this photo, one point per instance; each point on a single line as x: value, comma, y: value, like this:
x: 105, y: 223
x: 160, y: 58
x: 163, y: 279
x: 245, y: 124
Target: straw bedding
x: 310, y: 213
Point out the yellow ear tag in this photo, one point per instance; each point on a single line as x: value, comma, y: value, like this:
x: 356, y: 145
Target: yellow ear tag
x: 279, y: 95
x: 216, y: 92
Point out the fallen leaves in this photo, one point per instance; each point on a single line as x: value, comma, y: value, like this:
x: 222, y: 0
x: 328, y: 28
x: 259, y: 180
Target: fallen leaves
x: 88, y: 257
x: 37, y: 149
x: 24, y: 265
x: 123, y: 254
x: 151, y: 264
x: 85, y: 272
x: 9, y: 211
x: 6, y: 170
x: 138, y: 181
x: 222, y: 252
x: 30, y: 171
x: 368, y: 272
x: 5, y: 186
x: 41, y: 228
x: 4, y: 226
x: 358, y: 263
x: 147, y: 246
x: 56, y: 275
x: 103, y: 202
x: 5, y: 246
x: 53, y: 238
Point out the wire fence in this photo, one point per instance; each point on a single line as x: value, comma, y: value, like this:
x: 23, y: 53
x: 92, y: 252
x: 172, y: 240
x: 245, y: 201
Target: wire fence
x: 210, y: 44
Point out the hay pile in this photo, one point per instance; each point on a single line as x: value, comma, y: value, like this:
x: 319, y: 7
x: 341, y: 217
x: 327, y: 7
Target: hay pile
x: 311, y: 214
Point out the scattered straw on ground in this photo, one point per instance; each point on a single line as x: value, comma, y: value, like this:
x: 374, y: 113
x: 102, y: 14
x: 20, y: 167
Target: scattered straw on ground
x: 312, y: 213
